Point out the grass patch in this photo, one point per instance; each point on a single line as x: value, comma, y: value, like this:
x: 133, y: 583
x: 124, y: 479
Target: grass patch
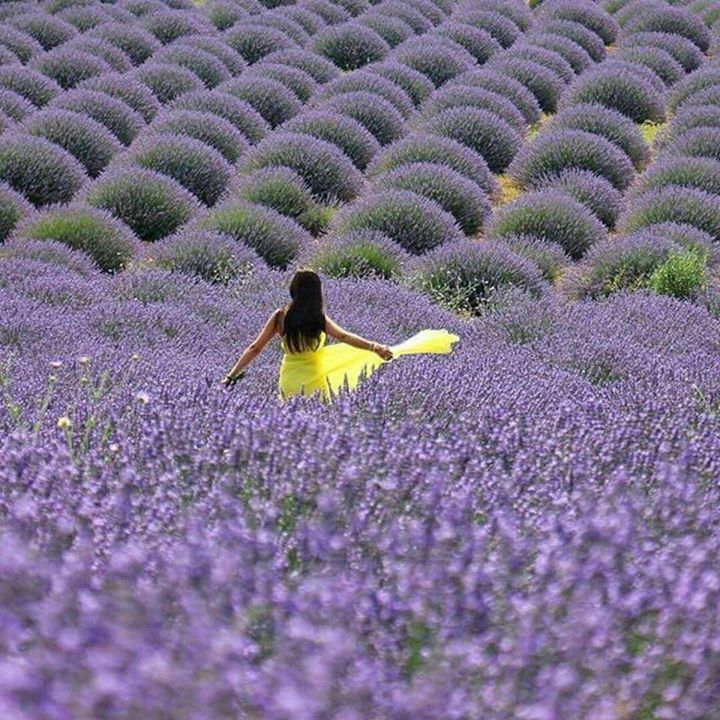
x: 650, y: 130
x: 509, y: 189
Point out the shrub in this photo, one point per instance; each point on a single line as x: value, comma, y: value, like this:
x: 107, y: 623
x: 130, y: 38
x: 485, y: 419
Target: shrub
x: 85, y: 139
x: 223, y: 15
x: 676, y: 21
x: 167, y: 81
x: 662, y: 63
x: 211, y: 256
x: 708, y: 97
x: 15, y: 106
x: 575, y: 55
x: 360, y: 254
x: 300, y: 83
x: 49, y: 31
x: 455, y: 193
x: 270, y: 98
x: 284, y: 24
x: 377, y: 115
x: 519, y: 13
x: 607, y: 123
x: 460, y: 96
x: 130, y: 91
x: 199, y: 62
x: 331, y: 13
x: 365, y: 81
x: 151, y: 204
x: 114, y: 57
x: 553, y: 152
x: 68, y: 67
x: 355, y: 7
x: 585, y: 12
x: 43, y: 172
x: 13, y: 208
x: 549, y: 59
x: 136, y: 43
x: 421, y: 148
x: 84, y: 18
x: 106, y: 240
x: 674, y: 204
x: 483, y: 131
x: 701, y: 142
x: 310, y: 21
x: 689, y: 118
x: 326, y: 169
x: 51, y: 252
x: 347, y: 134
x: 392, y: 30
x: 20, y: 43
x: 277, y: 239
x: 32, y: 85
x: 702, y: 79
x: 242, y: 115
x: 351, y: 45
x: 170, y: 25
x: 210, y: 129
x: 593, y: 191
x: 624, y: 263
x: 550, y: 215
x: 414, y: 222
x: 429, y: 9
x: 549, y: 257
x: 682, y: 275
x: 409, y: 15
x: 115, y: 115
x: 439, y: 61
x: 193, y: 164
x: 617, y: 86
x: 478, y: 42
x: 320, y: 69
x: 588, y: 40
x: 462, y: 276
x: 255, y: 42
x: 504, y: 30
x: 510, y: 88
x: 544, y: 84
x: 685, y: 236
x: 417, y: 86
x: 231, y: 59
x: 682, y: 49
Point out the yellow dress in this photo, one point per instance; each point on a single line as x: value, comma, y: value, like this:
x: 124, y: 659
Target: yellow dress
x: 326, y: 369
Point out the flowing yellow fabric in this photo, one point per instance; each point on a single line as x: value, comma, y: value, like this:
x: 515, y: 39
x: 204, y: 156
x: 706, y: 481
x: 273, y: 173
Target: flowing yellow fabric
x: 326, y: 369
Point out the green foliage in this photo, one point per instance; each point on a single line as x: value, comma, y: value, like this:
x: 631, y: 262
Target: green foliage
x: 682, y: 275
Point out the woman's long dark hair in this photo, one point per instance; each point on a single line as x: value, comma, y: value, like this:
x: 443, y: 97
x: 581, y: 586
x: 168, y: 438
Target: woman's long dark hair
x: 305, y: 318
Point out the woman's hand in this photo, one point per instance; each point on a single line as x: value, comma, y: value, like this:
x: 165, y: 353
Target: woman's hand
x: 229, y: 381
x: 384, y: 352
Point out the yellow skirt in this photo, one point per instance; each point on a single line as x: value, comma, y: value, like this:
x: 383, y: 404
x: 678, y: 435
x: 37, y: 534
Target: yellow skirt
x: 329, y: 368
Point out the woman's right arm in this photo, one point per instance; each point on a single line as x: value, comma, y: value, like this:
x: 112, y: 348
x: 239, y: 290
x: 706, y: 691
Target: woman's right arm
x: 342, y: 335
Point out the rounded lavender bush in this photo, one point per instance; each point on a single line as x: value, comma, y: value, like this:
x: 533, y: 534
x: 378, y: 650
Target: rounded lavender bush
x: 544, y: 84
x: 136, y: 43
x: 574, y: 54
x: 409, y: 15
x: 366, y: 81
x: 358, y: 254
x: 15, y: 106
x: 241, y: 114
x: 481, y: 130
x: 350, y: 136
x: 49, y: 31
x: 214, y: 131
x: 230, y: 58
x: 23, y: 45
x: 464, y: 275
x: 254, y: 42
x: 196, y: 166
x: 109, y: 242
x: 478, y: 42
x: 13, y: 208
x: 151, y: 204
x: 113, y: 56
x: 703, y: 79
x: 201, y: 63
x: 550, y: 215
x: 549, y: 59
x: 211, y: 256
x: 299, y: 82
x: 274, y: 237
x: 588, y: 40
x: 323, y: 166
x: 118, y: 117
x: 319, y: 68
x: 549, y: 257
x: 392, y: 30
x: 422, y: 147
x: 559, y: 150
x: 607, y: 123
x: 331, y: 13
x: 310, y: 21
x: 519, y: 13
x: 269, y: 97
x: 585, y: 12
x: 123, y: 87
x: 695, y: 172
x: 43, y: 172
x: 683, y: 50
x: 414, y: 222
x: 661, y: 62
x: 170, y: 25
x: 377, y: 115
x: 31, y: 84
x: 417, y: 85
x: 51, y: 252
x: 502, y: 28
x: 686, y: 119
x: 68, y: 67
x: 455, y: 193
x: 85, y: 139
x: 676, y: 21
x: 351, y: 45
x: 439, y: 60
x: 167, y: 81
x: 223, y: 15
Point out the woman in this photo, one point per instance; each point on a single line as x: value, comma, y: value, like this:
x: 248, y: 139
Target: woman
x: 308, y: 365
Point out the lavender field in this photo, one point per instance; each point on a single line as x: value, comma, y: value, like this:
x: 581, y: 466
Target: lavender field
x: 525, y: 529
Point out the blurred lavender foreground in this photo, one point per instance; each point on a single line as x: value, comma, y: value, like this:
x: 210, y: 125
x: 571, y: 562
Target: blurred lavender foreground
x: 525, y: 529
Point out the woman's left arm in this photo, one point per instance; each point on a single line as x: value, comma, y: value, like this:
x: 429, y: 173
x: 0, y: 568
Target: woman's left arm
x: 253, y: 349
